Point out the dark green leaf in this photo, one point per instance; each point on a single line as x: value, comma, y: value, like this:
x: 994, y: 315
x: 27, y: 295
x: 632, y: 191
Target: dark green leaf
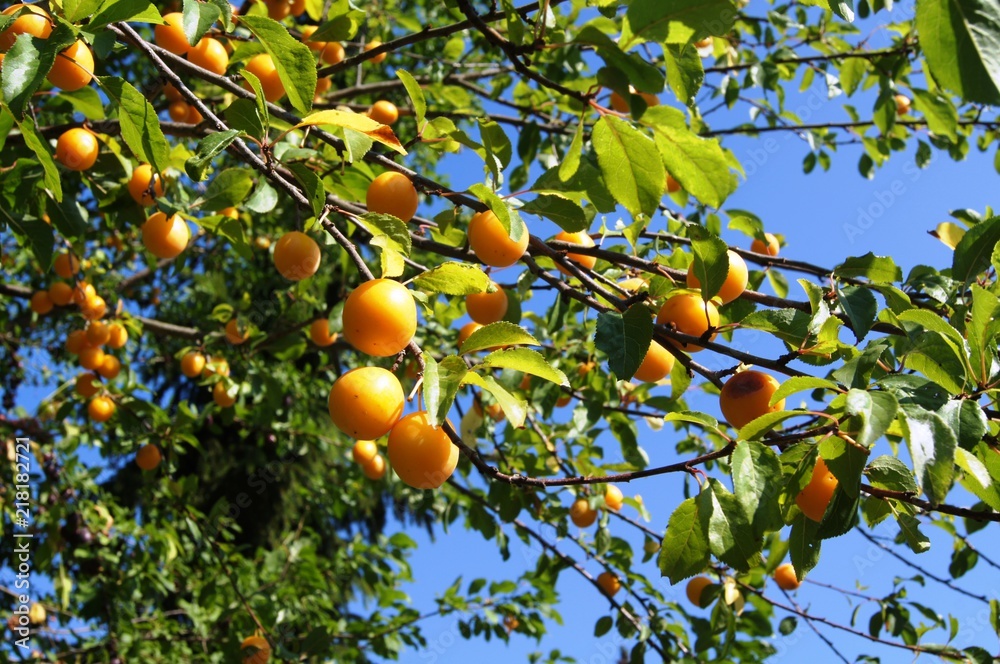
x: 730, y: 536
x: 140, y: 125
x: 972, y: 255
x: 684, y: 551
x: 625, y: 338
x: 958, y: 40
x: 295, y: 63
x: 630, y: 164
x: 208, y: 148
x: 932, y: 447
x: 442, y: 381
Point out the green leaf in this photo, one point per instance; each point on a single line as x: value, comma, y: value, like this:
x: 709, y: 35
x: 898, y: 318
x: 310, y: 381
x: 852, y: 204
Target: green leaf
x: 453, y: 278
x: 860, y: 307
x: 527, y: 361
x: 228, y: 189
x: 259, y: 99
x: 208, y: 148
x: 974, y: 250
x: 231, y: 230
x: 515, y: 409
x: 294, y: 61
x: 416, y: 95
x: 625, y: 338
x: 496, y: 144
x: 34, y: 141
x: 391, y: 236
x: 851, y: 73
x: 888, y: 472
x: 958, y: 38
x: 976, y: 478
x: 756, y: 473
x: 967, y: 421
x: 676, y: 22
x: 67, y: 217
x: 36, y: 234
x: 800, y: 384
x: 24, y: 69
x: 498, y: 334
x: 244, y: 115
x: 881, y: 269
x: 985, y: 311
x: 699, y: 164
x: 884, y: 113
x: 937, y: 358
x: 604, y: 623
x: 877, y: 411
x: 77, y: 10
x: 684, y: 551
x: 932, y: 447
x: 940, y: 113
x: 711, y: 264
x: 789, y: 325
x: 730, y: 537
x: 571, y: 160
x: 909, y: 528
x: 263, y: 199
x: 642, y: 75
x: 311, y: 185
x: 344, y: 21
x: 509, y: 219
x: 630, y: 164
x: 198, y: 18
x: 693, y: 417
x: 139, y: 124
x: 568, y: 215
x: 685, y: 73
x: 804, y: 545
x: 765, y: 423
x: 123, y: 10
x: 441, y: 384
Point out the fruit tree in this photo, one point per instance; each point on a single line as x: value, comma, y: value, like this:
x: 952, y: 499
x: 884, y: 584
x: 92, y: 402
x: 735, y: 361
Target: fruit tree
x: 295, y: 293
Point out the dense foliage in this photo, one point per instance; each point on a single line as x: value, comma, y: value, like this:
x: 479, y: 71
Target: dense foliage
x: 179, y: 508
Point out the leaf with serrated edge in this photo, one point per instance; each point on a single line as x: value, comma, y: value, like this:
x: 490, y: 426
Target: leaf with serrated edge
x: 526, y: 361
x: 442, y: 380
x: 453, y: 278
x: 515, y: 409
x: 498, y: 334
x: 684, y: 551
